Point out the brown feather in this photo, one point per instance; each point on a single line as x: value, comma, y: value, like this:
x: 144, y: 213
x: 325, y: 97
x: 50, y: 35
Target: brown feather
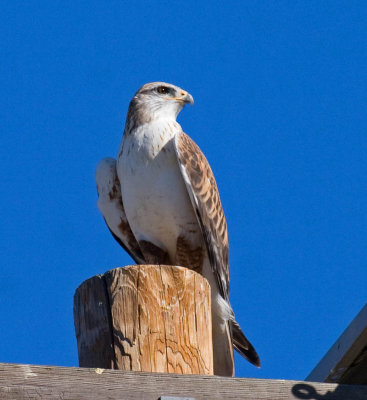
x: 204, y: 194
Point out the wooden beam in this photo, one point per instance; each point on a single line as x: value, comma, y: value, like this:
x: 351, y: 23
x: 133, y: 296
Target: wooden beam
x: 18, y: 382
x: 346, y: 360
x: 152, y: 318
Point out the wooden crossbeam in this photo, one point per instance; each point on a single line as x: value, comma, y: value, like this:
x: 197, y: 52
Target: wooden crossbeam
x: 18, y: 382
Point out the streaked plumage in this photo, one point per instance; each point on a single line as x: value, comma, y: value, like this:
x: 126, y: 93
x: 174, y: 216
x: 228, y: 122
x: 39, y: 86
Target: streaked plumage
x: 161, y: 202
x: 111, y: 206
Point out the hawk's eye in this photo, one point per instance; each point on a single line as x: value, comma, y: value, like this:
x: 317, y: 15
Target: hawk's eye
x: 163, y: 90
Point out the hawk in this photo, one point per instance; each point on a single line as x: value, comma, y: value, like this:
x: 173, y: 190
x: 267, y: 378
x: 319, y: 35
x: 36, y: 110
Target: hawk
x: 161, y: 203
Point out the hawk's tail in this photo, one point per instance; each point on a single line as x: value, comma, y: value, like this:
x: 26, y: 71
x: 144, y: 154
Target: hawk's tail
x: 242, y: 344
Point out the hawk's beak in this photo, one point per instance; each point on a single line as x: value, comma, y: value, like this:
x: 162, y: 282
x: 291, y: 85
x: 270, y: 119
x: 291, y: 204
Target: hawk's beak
x: 186, y: 97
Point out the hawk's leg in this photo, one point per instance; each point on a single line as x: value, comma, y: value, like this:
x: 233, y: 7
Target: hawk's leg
x: 153, y: 254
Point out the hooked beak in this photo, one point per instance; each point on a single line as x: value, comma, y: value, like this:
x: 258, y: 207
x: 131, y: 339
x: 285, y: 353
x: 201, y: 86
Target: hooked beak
x: 186, y: 97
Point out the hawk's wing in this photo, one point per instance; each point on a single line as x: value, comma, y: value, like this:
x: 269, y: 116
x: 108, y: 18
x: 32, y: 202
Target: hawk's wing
x: 203, y: 192
x: 111, y: 206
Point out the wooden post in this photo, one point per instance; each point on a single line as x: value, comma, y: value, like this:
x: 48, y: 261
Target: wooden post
x: 151, y: 318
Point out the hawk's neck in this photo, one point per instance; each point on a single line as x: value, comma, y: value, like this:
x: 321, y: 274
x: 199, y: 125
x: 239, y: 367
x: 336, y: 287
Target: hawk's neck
x: 150, y: 138
x: 163, y: 127
x: 139, y: 115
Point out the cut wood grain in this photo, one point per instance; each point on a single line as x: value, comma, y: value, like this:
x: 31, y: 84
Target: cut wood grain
x: 152, y: 318
x: 18, y: 382
x: 92, y: 318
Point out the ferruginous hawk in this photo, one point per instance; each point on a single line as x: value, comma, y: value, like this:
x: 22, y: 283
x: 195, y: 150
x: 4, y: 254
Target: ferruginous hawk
x: 161, y: 203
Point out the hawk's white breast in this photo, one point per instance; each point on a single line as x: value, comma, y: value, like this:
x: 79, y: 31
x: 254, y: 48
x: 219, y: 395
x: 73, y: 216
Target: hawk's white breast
x: 154, y: 194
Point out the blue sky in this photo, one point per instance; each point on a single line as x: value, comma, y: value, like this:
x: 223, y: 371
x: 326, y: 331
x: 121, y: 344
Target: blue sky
x: 280, y: 112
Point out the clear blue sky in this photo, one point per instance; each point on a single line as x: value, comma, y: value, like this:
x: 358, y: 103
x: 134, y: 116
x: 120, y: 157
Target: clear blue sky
x: 280, y: 112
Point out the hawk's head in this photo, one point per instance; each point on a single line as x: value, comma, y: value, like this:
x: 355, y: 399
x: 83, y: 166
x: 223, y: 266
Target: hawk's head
x: 157, y: 100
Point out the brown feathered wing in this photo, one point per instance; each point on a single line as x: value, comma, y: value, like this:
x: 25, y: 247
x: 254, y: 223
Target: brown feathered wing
x: 204, y: 195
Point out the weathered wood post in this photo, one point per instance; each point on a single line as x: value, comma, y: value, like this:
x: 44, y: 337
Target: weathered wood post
x: 152, y: 318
